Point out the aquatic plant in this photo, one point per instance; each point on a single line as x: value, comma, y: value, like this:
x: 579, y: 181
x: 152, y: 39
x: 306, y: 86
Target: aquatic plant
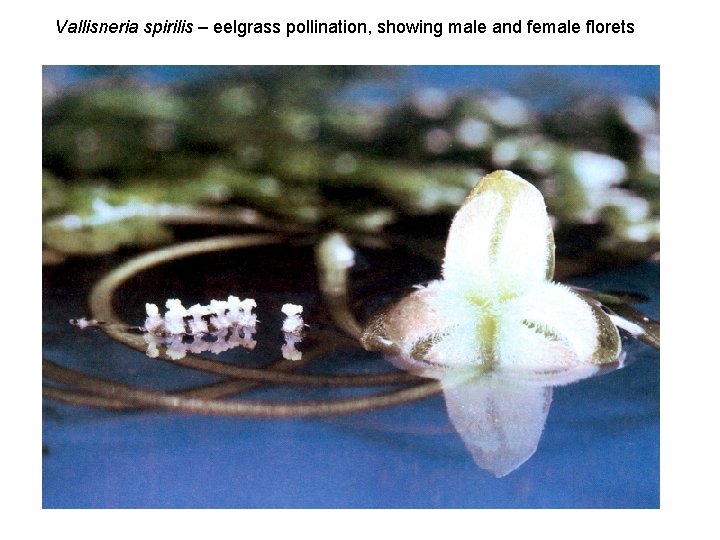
x: 129, y: 165
x: 496, y: 305
x: 495, y: 331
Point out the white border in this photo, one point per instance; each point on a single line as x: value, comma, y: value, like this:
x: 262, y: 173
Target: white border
x: 679, y: 39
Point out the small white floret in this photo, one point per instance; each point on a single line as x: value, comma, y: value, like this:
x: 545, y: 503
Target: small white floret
x: 233, y: 305
x: 293, y: 322
x: 291, y: 309
x: 174, y: 323
x: 83, y: 323
x: 220, y: 321
x: 247, y: 317
x: 154, y: 323
x: 175, y: 305
x: 197, y: 324
x: 218, y: 307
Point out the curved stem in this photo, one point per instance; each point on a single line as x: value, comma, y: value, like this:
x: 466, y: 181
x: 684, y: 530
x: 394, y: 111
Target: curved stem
x: 114, y: 391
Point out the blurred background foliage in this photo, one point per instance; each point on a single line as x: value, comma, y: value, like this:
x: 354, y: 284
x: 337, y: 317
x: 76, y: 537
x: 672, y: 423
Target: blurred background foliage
x: 139, y: 156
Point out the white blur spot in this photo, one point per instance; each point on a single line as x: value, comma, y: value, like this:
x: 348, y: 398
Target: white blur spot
x: 635, y: 208
x: 651, y: 153
x: 639, y: 114
x: 642, y: 232
x: 432, y: 102
x: 71, y: 221
x: 540, y: 159
x: 250, y: 155
x: 597, y: 171
x: 505, y: 153
x: 472, y: 133
x: 507, y: 111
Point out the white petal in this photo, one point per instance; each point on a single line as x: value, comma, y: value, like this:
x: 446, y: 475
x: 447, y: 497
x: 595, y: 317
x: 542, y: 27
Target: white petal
x: 551, y: 327
x: 500, y: 241
x: 427, y: 332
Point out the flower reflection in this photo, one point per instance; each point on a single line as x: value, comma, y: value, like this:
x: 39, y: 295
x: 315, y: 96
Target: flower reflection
x: 495, y: 330
x: 500, y: 416
x: 289, y: 352
x: 178, y: 345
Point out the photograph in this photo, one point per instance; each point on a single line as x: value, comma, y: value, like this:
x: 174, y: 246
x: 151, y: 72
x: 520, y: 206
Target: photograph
x: 351, y: 286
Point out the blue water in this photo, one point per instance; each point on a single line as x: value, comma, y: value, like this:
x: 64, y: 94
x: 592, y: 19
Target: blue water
x: 600, y: 446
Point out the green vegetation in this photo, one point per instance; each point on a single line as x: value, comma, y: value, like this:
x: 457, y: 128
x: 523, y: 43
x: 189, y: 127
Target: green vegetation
x: 124, y: 162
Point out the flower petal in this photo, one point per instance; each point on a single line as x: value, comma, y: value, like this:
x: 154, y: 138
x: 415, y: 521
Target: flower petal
x: 500, y: 241
x: 427, y: 333
x: 552, y: 327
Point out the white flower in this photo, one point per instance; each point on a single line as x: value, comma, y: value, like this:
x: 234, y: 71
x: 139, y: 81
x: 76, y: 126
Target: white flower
x: 174, y: 323
x: 197, y: 324
x: 293, y: 322
x: 496, y: 306
x: 246, y: 316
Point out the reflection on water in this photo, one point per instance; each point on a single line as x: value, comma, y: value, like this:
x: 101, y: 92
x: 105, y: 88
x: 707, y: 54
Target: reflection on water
x: 177, y: 346
x: 289, y: 352
x: 495, y: 329
x: 499, y: 420
x: 500, y: 416
x: 498, y: 411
